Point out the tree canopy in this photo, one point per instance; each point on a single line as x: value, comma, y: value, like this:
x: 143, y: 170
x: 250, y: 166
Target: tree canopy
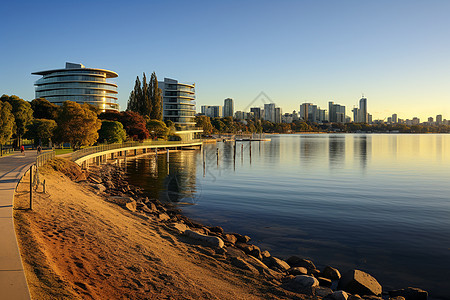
x: 112, y: 132
x: 146, y: 98
x: 41, y: 131
x: 157, y: 129
x: 77, y: 124
x: 23, y: 114
x: 6, y: 122
x: 43, y: 109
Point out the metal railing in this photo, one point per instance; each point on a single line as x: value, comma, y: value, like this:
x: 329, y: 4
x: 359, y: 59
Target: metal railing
x: 91, y: 150
x: 44, y: 157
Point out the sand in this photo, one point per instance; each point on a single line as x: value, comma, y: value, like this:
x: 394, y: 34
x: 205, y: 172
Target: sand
x: 75, y: 245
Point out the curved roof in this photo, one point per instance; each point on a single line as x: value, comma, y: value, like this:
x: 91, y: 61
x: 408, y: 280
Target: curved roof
x: 109, y: 74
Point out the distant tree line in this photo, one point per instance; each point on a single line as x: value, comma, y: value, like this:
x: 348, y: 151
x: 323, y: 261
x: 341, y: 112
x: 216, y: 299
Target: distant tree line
x: 230, y: 125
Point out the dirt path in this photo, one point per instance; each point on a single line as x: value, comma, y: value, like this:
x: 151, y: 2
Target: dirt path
x: 75, y: 245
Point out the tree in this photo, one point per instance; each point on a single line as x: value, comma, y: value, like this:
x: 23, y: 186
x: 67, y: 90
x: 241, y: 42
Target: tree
x: 6, y: 124
x: 135, y: 125
x: 157, y: 129
x: 77, y: 124
x: 205, y: 123
x: 156, y: 98
x: 23, y: 114
x: 43, y: 109
x: 41, y: 131
x: 146, y: 98
x: 112, y: 132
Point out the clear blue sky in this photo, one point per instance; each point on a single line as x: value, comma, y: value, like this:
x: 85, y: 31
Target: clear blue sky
x: 395, y: 52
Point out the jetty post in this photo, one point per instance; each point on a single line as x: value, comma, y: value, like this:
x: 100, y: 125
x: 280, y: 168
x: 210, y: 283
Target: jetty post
x: 204, y: 163
x: 31, y: 187
x: 217, y: 154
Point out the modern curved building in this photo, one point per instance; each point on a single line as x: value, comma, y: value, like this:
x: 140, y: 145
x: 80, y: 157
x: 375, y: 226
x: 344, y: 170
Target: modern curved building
x: 178, y: 103
x: 79, y: 84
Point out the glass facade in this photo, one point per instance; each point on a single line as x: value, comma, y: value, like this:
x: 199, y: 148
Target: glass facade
x: 79, y: 84
x: 178, y: 103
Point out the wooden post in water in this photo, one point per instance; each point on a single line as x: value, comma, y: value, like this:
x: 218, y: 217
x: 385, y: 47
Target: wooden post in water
x: 217, y: 154
x: 167, y: 155
x: 204, y: 163
x: 156, y: 153
x: 234, y: 155
x: 242, y: 153
x: 250, y: 152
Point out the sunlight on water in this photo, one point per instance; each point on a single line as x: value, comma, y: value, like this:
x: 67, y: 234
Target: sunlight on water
x: 380, y: 203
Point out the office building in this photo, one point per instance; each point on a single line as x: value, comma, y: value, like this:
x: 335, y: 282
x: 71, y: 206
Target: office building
x: 336, y: 112
x: 78, y: 84
x: 277, y: 115
x: 256, y: 112
x: 178, y: 103
x: 212, y: 111
x: 228, y: 107
x: 394, y: 118
x: 363, y: 114
x: 439, y: 120
x: 269, y: 112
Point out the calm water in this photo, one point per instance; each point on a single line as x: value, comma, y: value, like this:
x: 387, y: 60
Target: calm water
x: 379, y: 203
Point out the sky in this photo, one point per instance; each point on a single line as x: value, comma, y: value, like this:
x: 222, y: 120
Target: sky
x: 396, y: 53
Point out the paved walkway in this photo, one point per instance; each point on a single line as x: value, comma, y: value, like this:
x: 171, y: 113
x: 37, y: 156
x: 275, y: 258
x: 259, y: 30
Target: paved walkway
x: 13, y: 284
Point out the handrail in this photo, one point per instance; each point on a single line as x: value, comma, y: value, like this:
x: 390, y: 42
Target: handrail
x: 91, y: 150
x: 44, y: 157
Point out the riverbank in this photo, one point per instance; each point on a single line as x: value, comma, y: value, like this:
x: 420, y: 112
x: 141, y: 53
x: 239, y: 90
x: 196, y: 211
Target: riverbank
x: 101, y: 239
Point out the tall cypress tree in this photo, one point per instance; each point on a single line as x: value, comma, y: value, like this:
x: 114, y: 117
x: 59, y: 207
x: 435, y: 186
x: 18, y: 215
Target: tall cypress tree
x: 156, y: 98
x: 133, y: 101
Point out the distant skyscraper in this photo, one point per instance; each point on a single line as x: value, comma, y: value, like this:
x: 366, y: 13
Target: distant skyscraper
x: 363, y: 110
x: 256, y: 112
x: 331, y: 112
x: 439, y: 119
x: 277, y: 115
x: 228, y: 107
x: 394, y: 118
x: 212, y: 111
x: 336, y: 113
x: 304, y: 111
x: 269, y: 112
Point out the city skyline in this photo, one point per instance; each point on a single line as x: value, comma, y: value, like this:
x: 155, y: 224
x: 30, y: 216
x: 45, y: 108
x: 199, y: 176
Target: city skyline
x: 295, y: 52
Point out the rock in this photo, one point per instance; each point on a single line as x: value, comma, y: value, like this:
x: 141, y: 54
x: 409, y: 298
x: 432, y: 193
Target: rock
x: 337, y: 295
x: 315, y: 273
x: 213, y: 241
x: 324, y: 281
x: 359, y: 282
x: 131, y: 206
x: 181, y: 228
x: 230, y: 238
x: 100, y: 188
x: 331, y: 273
x: 298, y: 271
x: 354, y: 297
x: 397, y: 298
x: 216, y: 229
x: 295, y: 261
x: 242, y: 264
x: 242, y: 238
x: 262, y: 268
x: 163, y: 217
x: 246, y: 247
x: 265, y: 254
x: 410, y: 293
x: 146, y: 209
x: 323, y: 291
x: 119, y: 200
x: 306, y: 281
x: 109, y: 184
x: 277, y: 264
x: 256, y: 253
x: 235, y: 252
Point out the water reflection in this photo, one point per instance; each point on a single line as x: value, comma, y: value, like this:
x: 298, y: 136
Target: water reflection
x: 336, y: 151
x: 362, y: 149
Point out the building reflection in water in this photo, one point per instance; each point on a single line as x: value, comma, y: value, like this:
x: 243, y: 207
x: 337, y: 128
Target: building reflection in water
x: 336, y: 151
x: 362, y: 147
x: 173, y: 182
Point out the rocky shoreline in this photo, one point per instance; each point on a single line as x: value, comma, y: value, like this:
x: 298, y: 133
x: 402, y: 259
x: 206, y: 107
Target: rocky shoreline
x: 296, y: 274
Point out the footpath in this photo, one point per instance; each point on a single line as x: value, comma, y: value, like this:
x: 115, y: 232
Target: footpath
x: 13, y: 284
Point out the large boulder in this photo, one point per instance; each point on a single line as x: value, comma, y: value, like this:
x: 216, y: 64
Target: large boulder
x: 306, y: 281
x: 242, y: 264
x: 359, y: 282
x: 410, y: 293
x: 337, y: 295
x: 230, y: 238
x: 298, y: 271
x: 213, y: 241
x: 331, y: 273
x: 295, y: 261
x: 277, y: 264
x: 131, y: 206
x: 119, y: 200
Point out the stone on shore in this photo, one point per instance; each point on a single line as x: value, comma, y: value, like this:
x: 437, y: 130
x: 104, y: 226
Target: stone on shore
x: 295, y: 261
x: 306, y: 281
x: 337, y: 295
x: 163, y: 217
x: 322, y: 291
x: 277, y: 264
x: 242, y: 238
x: 119, y: 200
x: 230, y: 238
x: 131, y: 206
x: 298, y: 271
x: 213, y: 241
x: 242, y: 264
x: 410, y: 293
x: 331, y: 273
x: 359, y: 282
x: 324, y: 281
x: 180, y: 227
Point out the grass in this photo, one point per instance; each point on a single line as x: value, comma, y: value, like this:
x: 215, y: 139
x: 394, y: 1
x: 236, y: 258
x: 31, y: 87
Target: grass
x: 63, y: 151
